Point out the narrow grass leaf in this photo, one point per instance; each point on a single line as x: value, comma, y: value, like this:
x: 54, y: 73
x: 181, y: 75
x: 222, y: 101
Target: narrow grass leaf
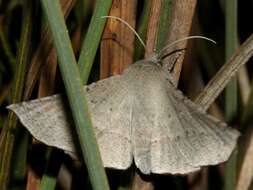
x: 142, y: 26
x: 163, y: 24
x: 231, y: 90
x: 9, y: 132
x: 74, y: 88
x: 92, y: 39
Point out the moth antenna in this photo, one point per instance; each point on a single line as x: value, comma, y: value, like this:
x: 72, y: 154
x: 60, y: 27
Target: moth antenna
x: 160, y: 54
x: 129, y: 26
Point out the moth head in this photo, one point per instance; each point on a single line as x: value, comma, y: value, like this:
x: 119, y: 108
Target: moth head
x: 153, y: 58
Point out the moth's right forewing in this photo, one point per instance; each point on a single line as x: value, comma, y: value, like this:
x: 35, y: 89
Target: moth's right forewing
x: 48, y: 120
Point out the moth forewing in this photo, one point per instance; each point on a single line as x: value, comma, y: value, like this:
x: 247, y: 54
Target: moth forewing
x: 139, y: 116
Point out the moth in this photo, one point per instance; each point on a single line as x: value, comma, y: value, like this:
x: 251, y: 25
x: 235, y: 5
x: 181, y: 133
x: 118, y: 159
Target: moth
x: 139, y: 116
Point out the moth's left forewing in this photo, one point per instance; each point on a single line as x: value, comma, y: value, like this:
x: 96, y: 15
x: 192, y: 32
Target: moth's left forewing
x: 48, y: 120
x: 205, y: 140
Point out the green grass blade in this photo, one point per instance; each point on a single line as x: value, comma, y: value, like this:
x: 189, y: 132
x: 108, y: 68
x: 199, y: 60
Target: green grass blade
x: 48, y: 182
x: 92, y: 39
x: 82, y: 9
x: 7, y: 48
x: 77, y: 100
x: 231, y: 90
x: 163, y: 24
x: 142, y: 30
x: 231, y: 44
x: 248, y: 110
x: 9, y: 132
x: 49, y: 178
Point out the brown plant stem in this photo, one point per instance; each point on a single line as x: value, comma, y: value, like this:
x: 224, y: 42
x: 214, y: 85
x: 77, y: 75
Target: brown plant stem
x: 180, y: 27
x: 223, y: 76
x: 117, y: 45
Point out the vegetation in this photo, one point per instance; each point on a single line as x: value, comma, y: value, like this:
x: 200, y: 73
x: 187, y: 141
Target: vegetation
x: 41, y: 55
